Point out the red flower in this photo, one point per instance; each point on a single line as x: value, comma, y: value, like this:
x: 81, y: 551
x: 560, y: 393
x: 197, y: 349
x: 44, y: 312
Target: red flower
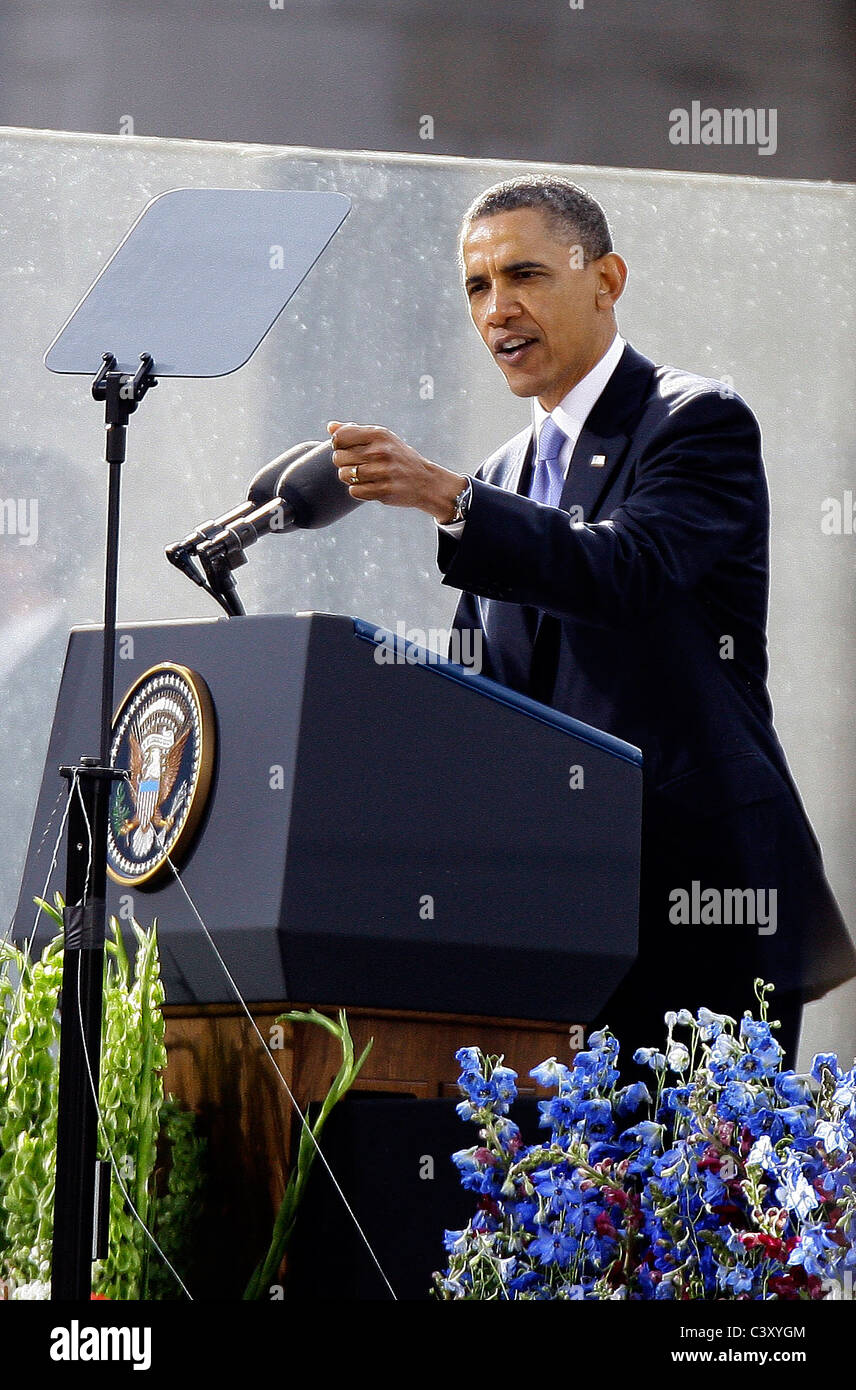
x: 603, y: 1225
x: 783, y: 1286
x: 772, y: 1245
x: 711, y: 1158
x: 735, y: 1216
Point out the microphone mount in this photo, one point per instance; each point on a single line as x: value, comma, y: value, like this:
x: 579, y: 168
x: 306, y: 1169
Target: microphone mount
x: 299, y: 490
x: 223, y: 552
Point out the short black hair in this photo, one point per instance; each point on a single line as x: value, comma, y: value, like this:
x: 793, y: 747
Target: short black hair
x: 572, y: 211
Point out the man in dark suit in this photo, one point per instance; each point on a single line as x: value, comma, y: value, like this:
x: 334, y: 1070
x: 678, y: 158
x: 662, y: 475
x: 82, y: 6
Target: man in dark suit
x: 613, y: 559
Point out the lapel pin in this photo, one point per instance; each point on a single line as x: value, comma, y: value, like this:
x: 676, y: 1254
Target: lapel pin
x: 597, y: 460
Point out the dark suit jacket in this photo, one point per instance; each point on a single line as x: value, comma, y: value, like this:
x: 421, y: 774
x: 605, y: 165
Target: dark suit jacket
x: 623, y: 620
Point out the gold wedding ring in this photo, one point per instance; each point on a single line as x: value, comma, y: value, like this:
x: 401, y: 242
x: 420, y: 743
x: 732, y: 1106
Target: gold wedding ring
x: 355, y: 475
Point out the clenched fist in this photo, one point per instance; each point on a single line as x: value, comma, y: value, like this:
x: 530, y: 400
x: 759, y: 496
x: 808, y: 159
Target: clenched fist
x: 377, y: 466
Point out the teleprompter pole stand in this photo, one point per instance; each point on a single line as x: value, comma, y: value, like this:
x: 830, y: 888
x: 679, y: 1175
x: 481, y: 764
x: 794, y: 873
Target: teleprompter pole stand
x: 86, y: 889
x: 198, y: 326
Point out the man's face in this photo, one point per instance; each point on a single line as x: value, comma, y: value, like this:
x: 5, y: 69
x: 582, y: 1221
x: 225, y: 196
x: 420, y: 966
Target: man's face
x: 523, y: 281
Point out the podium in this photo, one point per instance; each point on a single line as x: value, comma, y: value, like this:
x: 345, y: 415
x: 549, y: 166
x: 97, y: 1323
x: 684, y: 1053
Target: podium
x: 385, y: 831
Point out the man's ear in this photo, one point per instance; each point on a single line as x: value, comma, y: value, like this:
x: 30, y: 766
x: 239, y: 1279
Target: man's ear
x: 612, y: 277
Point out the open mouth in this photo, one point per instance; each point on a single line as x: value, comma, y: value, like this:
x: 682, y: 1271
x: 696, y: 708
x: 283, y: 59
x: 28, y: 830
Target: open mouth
x: 515, y: 349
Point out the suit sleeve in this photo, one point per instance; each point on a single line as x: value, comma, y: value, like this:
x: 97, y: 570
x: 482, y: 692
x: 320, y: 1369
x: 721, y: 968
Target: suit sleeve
x: 699, y: 493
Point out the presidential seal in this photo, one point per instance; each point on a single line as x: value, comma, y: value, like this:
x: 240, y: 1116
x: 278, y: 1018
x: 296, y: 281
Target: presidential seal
x: 163, y: 738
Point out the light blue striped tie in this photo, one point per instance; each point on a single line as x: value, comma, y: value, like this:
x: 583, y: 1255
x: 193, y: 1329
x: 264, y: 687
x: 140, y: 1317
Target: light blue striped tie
x: 548, y: 476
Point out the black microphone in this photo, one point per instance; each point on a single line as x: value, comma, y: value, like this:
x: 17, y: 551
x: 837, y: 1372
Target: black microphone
x: 263, y: 487
x: 310, y: 485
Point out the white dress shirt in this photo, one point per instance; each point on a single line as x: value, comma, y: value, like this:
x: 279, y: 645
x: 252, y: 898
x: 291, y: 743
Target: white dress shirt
x: 571, y: 413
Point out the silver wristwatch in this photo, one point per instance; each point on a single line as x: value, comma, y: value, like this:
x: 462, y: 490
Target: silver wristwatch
x: 462, y: 502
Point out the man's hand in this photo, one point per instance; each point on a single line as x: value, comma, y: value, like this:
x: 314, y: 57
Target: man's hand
x: 389, y: 471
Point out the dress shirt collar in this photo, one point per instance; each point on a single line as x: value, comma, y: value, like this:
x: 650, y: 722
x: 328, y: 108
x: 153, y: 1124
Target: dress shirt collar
x: 574, y: 409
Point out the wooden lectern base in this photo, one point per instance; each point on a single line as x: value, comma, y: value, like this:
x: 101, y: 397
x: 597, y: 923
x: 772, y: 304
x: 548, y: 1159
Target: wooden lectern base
x: 217, y: 1067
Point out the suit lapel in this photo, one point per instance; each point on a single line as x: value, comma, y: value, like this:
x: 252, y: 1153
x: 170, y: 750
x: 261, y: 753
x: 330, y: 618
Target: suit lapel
x: 606, y: 435
x: 515, y: 470
x: 603, y: 443
x: 515, y: 476
x: 595, y: 462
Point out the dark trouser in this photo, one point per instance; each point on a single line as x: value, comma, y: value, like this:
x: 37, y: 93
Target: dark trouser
x: 712, y: 960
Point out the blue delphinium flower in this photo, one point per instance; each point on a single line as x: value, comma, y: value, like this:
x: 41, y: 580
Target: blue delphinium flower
x: 675, y: 1098
x: 763, y: 1156
x: 581, y: 1213
x: 497, y: 1091
x: 835, y: 1135
x: 825, y: 1061
x: 553, y: 1247
x: 505, y: 1090
x: 554, y: 1190
x: 678, y: 1057
x: 755, y: 1032
x: 558, y: 1114
x: 750, y: 1067
x: 522, y: 1213
x: 791, y: 1088
x: 630, y: 1098
x: 711, y: 1024
x: 649, y: 1134
x: 796, y: 1119
x: 551, y: 1073
x: 714, y: 1191
x: 604, y: 1041
x: 813, y: 1249
x: 794, y: 1191
x: 649, y: 1056
x: 525, y: 1282
x: 725, y: 1048
x: 479, y: 1090
x: 508, y: 1133
x: 736, y: 1099
x: 738, y: 1278
x: 469, y: 1168
x: 593, y: 1069
x: 670, y: 1170
x: 597, y: 1116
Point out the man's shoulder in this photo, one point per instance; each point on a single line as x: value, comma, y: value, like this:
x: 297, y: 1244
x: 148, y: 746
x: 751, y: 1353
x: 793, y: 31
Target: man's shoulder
x: 676, y: 388
x: 673, y: 403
